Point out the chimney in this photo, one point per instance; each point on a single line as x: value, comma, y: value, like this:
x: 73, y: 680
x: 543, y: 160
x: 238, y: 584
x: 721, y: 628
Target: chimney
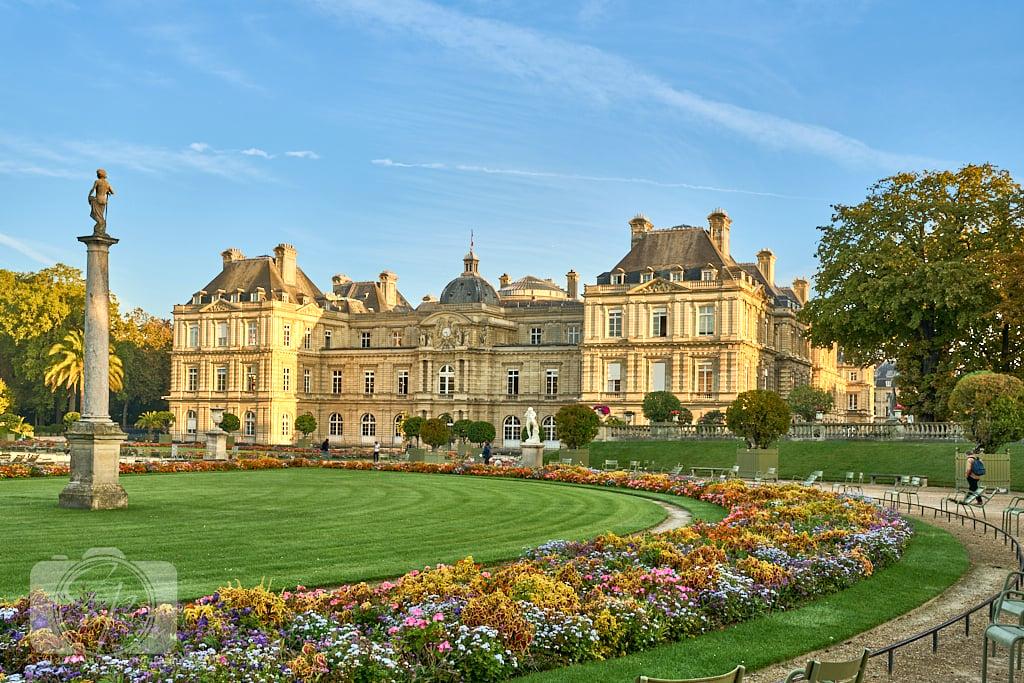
x: 572, y: 284
x: 388, y: 285
x: 801, y: 288
x: 718, y: 224
x: 339, y: 282
x: 766, y: 264
x: 504, y: 281
x: 231, y: 255
x: 284, y: 257
x: 638, y: 228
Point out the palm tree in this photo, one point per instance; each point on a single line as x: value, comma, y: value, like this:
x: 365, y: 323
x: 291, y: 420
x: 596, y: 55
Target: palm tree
x: 153, y: 420
x: 68, y: 367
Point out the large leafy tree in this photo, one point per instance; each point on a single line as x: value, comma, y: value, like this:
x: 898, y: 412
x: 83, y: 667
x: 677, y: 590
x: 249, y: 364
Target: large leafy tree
x: 480, y: 431
x: 576, y: 425
x: 759, y: 416
x: 807, y: 401
x: 67, y: 368
x: 911, y: 273
x: 990, y: 406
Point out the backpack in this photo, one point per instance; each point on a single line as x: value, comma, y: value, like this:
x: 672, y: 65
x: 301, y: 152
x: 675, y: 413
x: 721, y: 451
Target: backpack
x: 978, y: 467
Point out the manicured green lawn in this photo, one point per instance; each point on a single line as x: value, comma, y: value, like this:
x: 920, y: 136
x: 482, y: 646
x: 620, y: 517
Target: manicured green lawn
x: 797, y: 459
x: 305, y: 526
x: 933, y: 561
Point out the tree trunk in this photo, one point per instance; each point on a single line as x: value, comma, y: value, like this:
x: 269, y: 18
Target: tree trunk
x: 124, y: 414
x: 1004, y: 349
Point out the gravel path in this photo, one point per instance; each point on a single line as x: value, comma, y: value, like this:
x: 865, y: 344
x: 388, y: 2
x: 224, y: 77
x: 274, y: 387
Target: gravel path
x: 677, y: 517
x: 958, y: 659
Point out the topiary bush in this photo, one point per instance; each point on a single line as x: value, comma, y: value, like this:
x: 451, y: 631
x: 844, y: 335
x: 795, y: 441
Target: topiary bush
x: 461, y: 429
x: 659, y: 406
x: 759, y: 416
x: 411, y: 427
x: 435, y: 432
x: 990, y: 406
x: 576, y: 425
x: 230, y: 423
x: 712, y: 418
x: 479, y: 432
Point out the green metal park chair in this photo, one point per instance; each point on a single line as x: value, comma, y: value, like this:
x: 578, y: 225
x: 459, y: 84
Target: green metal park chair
x: 850, y: 671
x: 1008, y: 635
x: 734, y: 676
x: 1012, y: 512
x: 611, y: 465
x: 813, y: 479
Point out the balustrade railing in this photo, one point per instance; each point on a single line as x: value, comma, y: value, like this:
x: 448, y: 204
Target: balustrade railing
x: 822, y: 431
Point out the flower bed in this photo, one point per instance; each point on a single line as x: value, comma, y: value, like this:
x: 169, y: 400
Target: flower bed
x: 560, y: 603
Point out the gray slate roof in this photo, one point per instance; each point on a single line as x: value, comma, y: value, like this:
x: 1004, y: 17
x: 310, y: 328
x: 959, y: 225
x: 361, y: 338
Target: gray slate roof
x: 683, y: 245
x: 369, y: 295
x: 251, y: 273
x: 469, y: 288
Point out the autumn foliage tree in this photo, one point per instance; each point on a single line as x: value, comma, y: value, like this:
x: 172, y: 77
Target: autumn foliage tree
x: 913, y: 273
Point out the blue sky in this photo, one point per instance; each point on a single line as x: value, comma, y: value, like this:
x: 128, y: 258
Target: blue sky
x: 376, y: 135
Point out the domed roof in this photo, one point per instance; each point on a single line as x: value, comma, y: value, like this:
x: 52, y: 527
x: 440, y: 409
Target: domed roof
x: 469, y: 288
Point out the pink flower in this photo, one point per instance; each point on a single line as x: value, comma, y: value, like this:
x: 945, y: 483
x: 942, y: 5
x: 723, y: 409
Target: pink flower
x: 74, y: 659
x: 444, y: 647
x: 393, y: 630
x: 438, y: 617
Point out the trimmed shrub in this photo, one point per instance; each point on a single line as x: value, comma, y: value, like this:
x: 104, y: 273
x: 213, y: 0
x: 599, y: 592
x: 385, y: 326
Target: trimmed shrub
x: 411, y: 427
x: 479, y: 432
x: 303, y: 423
x: 659, y: 406
x: 576, y: 425
x: 759, y: 416
x: 990, y: 406
x: 435, y: 432
x: 230, y: 423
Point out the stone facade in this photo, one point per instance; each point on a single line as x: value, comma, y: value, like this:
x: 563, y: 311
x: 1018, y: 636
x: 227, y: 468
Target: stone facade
x: 676, y: 313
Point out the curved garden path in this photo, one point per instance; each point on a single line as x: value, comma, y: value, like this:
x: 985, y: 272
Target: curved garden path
x: 677, y: 517
x: 958, y: 659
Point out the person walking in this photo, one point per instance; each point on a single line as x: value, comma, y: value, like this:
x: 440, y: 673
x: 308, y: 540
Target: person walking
x: 325, y: 448
x: 975, y: 471
x: 376, y: 451
x: 486, y: 453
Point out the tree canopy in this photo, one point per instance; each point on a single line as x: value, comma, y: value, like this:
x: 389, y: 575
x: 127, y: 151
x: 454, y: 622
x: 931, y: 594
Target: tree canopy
x: 759, y: 416
x: 913, y: 273
x: 435, y: 432
x: 659, y: 406
x: 807, y: 401
x: 305, y: 423
x: 480, y: 431
x: 576, y: 425
x: 990, y: 406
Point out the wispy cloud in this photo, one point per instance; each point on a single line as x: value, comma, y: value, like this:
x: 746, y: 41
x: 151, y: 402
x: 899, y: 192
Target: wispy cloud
x: 471, y: 168
x: 181, y: 42
x: 303, y: 154
x: 256, y: 152
x: 604, y: 77
x: 26, y: 249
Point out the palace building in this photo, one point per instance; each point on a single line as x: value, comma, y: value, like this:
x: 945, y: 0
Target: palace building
x: 676, y: 313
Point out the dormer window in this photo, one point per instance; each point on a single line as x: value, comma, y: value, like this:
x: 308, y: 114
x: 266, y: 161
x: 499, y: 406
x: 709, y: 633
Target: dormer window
x: 707, y: 275
x: 618, y: 277
x: 197, y: 299
x: 254, y: 297
x: 646, y: 277
x: 284, y: 297
x: 676, y: 275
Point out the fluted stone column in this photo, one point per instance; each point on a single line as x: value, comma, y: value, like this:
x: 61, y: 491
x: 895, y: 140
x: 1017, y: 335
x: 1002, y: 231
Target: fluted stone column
x: 95, y: 439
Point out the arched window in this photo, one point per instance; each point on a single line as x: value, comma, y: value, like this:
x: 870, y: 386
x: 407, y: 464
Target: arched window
x: 369, y: 425
x: 335, y: 424
x: 286, y: 425
x: 190, y: 422
x: 511, y: 426
x: 547, y: 426
x: 399, y: 419
x: 446, y: 380
x: 250, y: 423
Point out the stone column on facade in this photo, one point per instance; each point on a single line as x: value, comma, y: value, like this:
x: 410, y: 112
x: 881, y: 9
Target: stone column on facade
x: 95, y: 440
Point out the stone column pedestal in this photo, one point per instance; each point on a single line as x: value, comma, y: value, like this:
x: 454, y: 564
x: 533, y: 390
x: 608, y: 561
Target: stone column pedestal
x: 95, y: 453
x: 216, y: 445
x: 532, y: 455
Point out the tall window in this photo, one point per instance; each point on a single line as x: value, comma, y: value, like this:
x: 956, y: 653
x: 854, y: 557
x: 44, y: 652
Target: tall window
x: 307, y: 338
x: 852, y: 401
x: 403, y: 382
x: 335, y: 424
x: 286, y: 379
x: 192, y: 381
x: 572, y: 334
x: 551, y: 382
x: 364, y: 340
x: 249, y: 424
x: 512, y: 382
x: 307, y: 380
x: 614, y: 323
x: 535, y: 334
x: 193, y: 336
x: 251, y: 381
x: 287, y: 335
x: 614, y: 377
x: 327, y: 339
x: 510, y: 428
x: 396, y: 338
x: 369, y: 425
x: 547, y: 426
x: 190, y: 422
x: 222, y: 334
x: 706, y: 320
x: 658, y: 376
x: 705, y: 378
x: 446, y: 380
x: 286, y: 425
x: 659, y: 323
x: 399, y: 419
x: 220, y: 381
x: 369, y: 378
x: 252, y: 333
x: 336, y: 382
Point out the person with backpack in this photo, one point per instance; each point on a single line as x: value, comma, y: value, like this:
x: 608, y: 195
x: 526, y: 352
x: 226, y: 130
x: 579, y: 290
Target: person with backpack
x: 975, y: 471
x: 487, y: 453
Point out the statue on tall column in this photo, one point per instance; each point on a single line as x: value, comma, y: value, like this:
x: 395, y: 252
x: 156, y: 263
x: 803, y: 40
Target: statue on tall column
x: 101, y: 189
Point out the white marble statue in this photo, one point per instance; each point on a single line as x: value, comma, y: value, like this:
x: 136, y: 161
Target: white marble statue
x: 530, y: 426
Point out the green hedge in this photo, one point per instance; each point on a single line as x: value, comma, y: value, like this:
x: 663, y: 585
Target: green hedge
x: 797, y: 459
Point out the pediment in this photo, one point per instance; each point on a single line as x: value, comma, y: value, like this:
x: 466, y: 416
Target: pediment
x: 219, y: 306
x: 657, y: 286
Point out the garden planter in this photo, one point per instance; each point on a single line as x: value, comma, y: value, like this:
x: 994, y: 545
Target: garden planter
x: 757, y: 460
